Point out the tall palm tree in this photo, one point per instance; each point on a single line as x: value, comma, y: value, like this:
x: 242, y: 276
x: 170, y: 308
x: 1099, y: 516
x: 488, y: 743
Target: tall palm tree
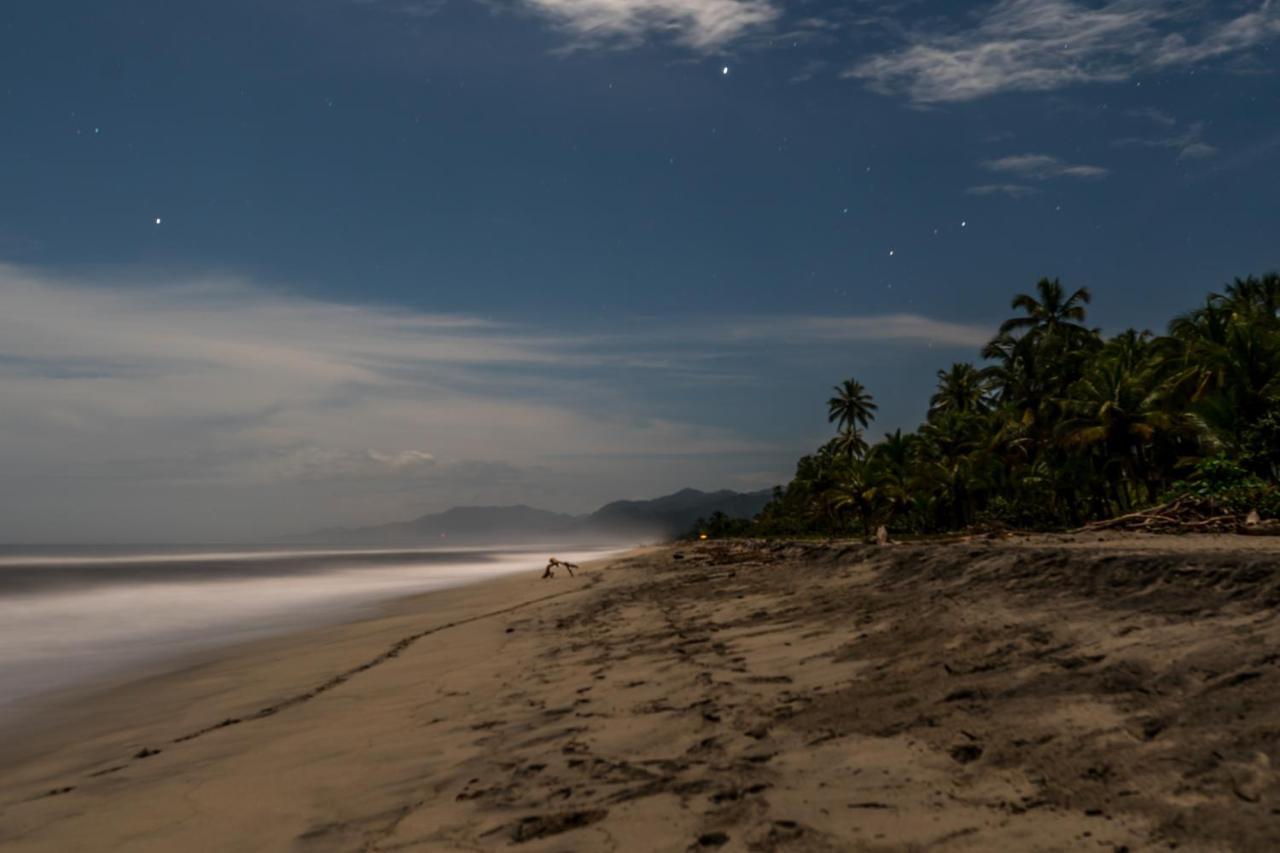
x: 1054, y: 313
x: 851, y: 407
x: 963, y: 388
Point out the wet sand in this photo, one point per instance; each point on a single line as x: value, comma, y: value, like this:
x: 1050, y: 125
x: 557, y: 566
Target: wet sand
x: 1046, y: 693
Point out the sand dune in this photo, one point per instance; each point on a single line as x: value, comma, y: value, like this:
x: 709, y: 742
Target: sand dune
x: 1050, y: 693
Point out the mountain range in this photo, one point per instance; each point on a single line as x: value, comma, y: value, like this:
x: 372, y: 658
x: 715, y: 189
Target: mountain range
x: 620, y: 521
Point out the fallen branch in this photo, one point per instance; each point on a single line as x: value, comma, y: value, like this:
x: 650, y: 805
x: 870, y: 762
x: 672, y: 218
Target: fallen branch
x: 1186, y: 514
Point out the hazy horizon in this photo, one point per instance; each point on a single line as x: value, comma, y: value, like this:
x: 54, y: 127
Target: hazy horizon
x: 273, y: 267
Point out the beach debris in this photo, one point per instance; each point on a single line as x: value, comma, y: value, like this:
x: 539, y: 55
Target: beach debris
x: 1187, y: 514
x: 553, y: 563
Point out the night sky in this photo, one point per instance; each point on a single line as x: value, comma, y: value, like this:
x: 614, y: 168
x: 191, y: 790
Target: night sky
x: 273, y: 265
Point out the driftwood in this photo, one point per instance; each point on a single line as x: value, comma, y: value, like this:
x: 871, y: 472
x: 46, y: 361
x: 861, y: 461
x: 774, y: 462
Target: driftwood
x: 1187, y: 514
x: 554, y: 563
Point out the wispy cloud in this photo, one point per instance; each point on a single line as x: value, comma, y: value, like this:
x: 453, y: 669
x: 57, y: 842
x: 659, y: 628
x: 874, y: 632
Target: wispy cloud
x: 1189, y: 143
x: 703, y: 25
x: 1010, y: 190
x: 1042, y: 167
x: 899, y: 328
x: 808, y: 71
x: 1041, y: 45
x: 1160, y: 117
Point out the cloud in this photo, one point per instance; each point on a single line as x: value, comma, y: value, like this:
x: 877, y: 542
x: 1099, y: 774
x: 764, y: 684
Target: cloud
x: 703, y: 25
x: 1189, y: 144
x: 1010, y: 190
x: 808, y: 71
x: 1230, y: 37
x: 1197, y: 151
x: 214, y: 408
x: 898, y: 328
x: 310, y: 462
x: 1042, y: 45
x: 1151, y: 114
x: 1042, y: 167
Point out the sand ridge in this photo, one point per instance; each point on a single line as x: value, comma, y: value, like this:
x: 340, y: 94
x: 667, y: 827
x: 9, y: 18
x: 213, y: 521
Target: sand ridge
x: 1045, y: 693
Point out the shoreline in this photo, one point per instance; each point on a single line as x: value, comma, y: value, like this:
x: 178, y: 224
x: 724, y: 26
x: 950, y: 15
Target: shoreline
x: 1058, y: 692
x: 324, y: 599
x: 344, y: 637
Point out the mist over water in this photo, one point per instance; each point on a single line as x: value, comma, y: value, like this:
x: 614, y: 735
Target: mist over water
x: 72, y: 617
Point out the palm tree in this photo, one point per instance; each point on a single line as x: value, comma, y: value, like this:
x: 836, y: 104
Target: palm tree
x: 1259, y: 298
x: 963, y: 388
x: 1230, y: 358
x: 1060, y: 425
x: 952, y: 465
x: 851, y: 407
x: 856, y: 488
x: 1053, y: 313
x: 849, y: 444
x: 891, y: 460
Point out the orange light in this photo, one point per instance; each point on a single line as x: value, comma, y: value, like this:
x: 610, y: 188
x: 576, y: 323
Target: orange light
x: 702, y: 536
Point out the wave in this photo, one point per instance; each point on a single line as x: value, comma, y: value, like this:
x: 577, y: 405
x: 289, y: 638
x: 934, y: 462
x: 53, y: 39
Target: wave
x: 69, y: 620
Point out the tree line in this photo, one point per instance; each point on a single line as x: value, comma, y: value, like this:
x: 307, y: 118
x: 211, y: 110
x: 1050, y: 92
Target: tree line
x: 1059, y: 425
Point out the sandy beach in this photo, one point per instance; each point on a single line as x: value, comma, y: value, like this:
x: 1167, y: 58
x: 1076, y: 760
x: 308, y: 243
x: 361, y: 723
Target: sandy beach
x: 1042, y: 693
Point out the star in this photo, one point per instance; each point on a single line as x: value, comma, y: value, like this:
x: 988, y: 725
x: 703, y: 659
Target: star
x: 724, y: 71
x: 891, y: 253
x: 157, y: 220
x: 964, y: 224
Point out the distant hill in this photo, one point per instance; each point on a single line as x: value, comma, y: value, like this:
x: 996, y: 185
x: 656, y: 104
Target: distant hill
x: 460, y: 524
x: 631, y: 520
x: 674, y: 514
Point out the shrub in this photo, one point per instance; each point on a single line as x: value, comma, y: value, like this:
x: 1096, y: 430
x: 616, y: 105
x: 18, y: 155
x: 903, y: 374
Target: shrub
x: 1228, y: 485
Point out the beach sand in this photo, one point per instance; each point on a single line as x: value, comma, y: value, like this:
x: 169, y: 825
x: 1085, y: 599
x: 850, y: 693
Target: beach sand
x: 1035, y: 693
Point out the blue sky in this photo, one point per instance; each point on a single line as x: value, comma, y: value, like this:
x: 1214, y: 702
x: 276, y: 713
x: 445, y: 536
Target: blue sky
x: 271, y: 265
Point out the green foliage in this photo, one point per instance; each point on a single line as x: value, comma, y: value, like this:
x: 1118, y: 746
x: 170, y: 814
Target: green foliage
x: 720, y: 526
x: 1061, y: 426
x: 1260, y: 448
x: 1023, y: 512
x: 1228, y: 485
x: 1218, y: 474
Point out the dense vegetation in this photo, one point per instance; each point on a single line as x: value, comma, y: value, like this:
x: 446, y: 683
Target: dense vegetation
x: 1060, y: 426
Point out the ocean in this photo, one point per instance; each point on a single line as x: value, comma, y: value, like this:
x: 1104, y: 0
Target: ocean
x: 71, y: 617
